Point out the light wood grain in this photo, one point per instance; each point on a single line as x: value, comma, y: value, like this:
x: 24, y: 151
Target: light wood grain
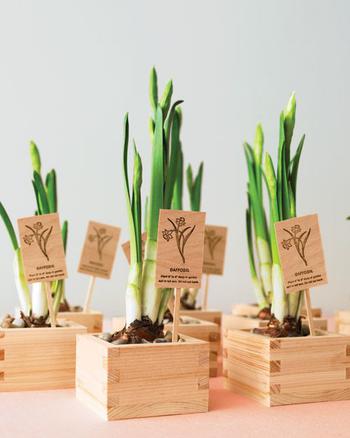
x: 302, y: 268
x: 214, y: 249
x: 235, y: 322
x: 143, y: 380
x: 287, y: 370
x: 206, y: 315
x: 206, y: 293
x: 309, y: 317
x: 206, y: 331
x: 99, y: 250
x: 316, y: 312
x: 180, y: 260
x: 253, y: 309
x: 42, y: 262
x: 89, y: 293
x: 92, y: 320
x: 176, y: 315
x: 34, y: 359
x: 245, y: 309
x: 48, y: 293
x: 194, y: 328
x: 342, y: 322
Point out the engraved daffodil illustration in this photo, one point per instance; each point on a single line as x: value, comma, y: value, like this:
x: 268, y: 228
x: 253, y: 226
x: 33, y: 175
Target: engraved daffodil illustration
x: 211, y: 239
x: 298, y: 240
x: 101, y: 238
x: 40, y: 235
x: 181, y: 232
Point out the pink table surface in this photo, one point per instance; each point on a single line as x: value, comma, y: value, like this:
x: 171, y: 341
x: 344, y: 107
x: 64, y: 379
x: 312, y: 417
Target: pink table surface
x: 58, y: 414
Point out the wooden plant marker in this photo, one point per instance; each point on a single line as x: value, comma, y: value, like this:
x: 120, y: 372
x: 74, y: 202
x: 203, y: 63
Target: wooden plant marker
x: 176, y: 314
x: 301, y: 255
x: 43, y: 252
x: 98, y: 254
x: 215, y: 238
x: 180, y: 248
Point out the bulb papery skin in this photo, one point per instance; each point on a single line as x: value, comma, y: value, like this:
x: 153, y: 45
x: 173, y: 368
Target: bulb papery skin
x: 21, y: 283
x: 39, y: 300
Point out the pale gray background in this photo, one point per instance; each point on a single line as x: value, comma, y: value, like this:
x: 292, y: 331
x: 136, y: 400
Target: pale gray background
x: 69, y: 70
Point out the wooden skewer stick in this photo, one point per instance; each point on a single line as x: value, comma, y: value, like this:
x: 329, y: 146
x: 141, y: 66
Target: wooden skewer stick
x: 176, y: 314
x: 50, y: 303
x: 206, y: 289
x: 89, y: 294
x: 309, y: 312
x: 171, y: 304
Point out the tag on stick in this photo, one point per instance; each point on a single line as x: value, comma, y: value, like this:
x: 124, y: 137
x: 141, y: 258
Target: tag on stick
x: 301, y: 253
x: 42, y: 248
x: 99, y: 250
x: 180, y: 249
x: 214, y: 249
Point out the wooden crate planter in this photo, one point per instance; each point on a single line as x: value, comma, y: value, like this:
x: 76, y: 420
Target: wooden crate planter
x: 251, y: 310
x: 92, y: 320
x: 342, y: 322
x: 38, y: 358
x: 245, y: 310
x: 235, y: 322
x: 204, y: 330
x: 287, y: 370
x: 142, y: 380
x: 206, y: 315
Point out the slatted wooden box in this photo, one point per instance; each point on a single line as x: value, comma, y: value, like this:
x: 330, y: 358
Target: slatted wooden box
x: 342, y: 322
x: 235, y: 322
x: 38, y: 358
x: 92, y: 320
x: 198, y: 329
x: 206, y: 331
x: 287, y: 370
x: 206, y: 315
x: 142, y: 380
x: 253, y: 309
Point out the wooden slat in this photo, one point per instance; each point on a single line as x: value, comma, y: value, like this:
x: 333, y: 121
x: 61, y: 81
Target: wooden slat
x: 38, y: 358
x: 92, y: 320
x: 206, y: 315
x: 132, y: 381
x: 198, y: 329
x: 287, y: 370
x: 251, y: 310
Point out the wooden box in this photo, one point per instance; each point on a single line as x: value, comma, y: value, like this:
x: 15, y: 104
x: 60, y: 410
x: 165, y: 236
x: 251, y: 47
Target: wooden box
x: 142, y: 380
x: 282, y: 371
x: 198, y: 329
x: 253, y: 309
x: 206, y: 331
x: 235, y: 322
x: 245, y: 310
x: 38, y: 358
x: 206, y: 315
x: 92, y: 320
x: 342, y: 322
